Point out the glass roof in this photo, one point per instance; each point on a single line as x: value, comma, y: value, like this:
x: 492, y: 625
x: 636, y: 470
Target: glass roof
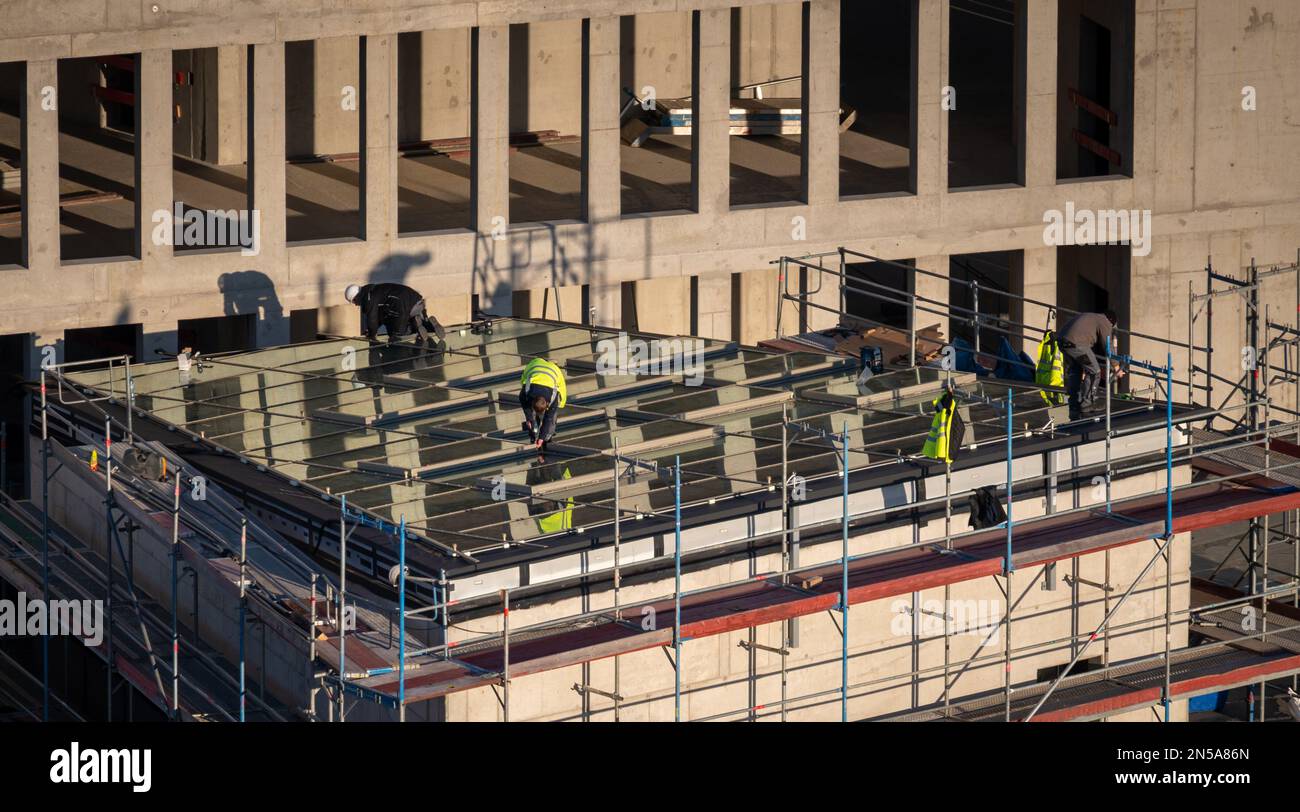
x: 436, y: 437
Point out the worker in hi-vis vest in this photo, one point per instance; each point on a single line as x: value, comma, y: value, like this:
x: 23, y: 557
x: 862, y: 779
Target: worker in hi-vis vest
x: 938, y: 446
x: 542, y: 396
x: 1051, y: 369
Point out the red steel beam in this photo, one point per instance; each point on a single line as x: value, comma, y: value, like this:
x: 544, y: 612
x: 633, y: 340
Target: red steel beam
x: 896, y: 572
x: 1241, y: 675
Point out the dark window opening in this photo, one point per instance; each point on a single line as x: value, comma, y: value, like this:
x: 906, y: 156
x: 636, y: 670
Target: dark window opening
x: 1051, y: 672
x: 98, y: 161
x: 91, y: 343
x: 991, y: 271
x: 303, y: 326
x: 546, y: 102
x: 15, y: 351
x: 877, y: 291
x: 13, y: 92
x: 876, y: 150
x: 656, y: 80
x: 218, y: 333
x: 986, y: 128
x: 766, y: 104
x: 323, y: 108
x: 1095, y: 88
x: 434, y: 110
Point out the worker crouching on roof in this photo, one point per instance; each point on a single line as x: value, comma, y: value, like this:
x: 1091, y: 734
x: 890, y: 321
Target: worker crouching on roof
x: 397, y: 308
x: 1079, y: 339
x: 542, y: 396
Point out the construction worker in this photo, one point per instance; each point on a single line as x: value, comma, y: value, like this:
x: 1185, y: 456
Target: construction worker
x: 1050, y: 371
x: 541, y: 397
x: 938, y: 445
x: 1079, y: 338
x: 397, y: 308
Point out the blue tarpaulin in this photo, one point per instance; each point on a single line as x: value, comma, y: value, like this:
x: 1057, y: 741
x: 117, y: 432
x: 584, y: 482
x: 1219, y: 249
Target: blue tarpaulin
x: 1006, y: 367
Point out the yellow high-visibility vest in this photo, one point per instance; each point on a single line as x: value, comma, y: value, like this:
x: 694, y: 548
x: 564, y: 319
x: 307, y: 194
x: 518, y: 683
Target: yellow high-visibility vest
x: 1051, y: 369
x: 938, y: 446
x: 561, y: 519
x: 544, y: 373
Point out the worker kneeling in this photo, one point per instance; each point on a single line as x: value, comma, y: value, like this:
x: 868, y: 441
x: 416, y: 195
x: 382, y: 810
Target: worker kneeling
x: 542, y: 396
x: 397, y: 308
x: 1081, y: 336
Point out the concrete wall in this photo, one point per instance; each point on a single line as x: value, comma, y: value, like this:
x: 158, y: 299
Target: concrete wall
x: 1214, y: 175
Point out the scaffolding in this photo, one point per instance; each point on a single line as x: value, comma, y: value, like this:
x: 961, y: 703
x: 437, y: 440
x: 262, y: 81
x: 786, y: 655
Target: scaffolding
x: 445, y: 666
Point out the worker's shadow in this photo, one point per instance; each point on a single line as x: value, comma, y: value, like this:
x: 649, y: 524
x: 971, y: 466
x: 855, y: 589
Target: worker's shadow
x: 253, y: 293
x: 396, y: 267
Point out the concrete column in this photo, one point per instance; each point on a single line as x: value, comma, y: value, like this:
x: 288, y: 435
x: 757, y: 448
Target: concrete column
x: 821, y: 101
x: 711, y: 110
x: 600, y: 143
x: 1040, y: 96
x: 933, y: 288
x: 379, y: 137
x: 929, y: 77
x: 757, y: 296
x: 40, y: 194
x: 1033, y: 275
x: 266, y: 147
x: 153, y: 166
x: 490, y: 165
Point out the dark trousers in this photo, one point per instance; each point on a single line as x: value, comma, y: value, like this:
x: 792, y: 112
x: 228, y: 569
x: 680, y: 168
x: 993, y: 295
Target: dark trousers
x: 417, y: 321
x: 1084, y: 373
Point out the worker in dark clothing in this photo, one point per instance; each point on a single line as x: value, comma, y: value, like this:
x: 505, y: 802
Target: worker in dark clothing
x: 1081, y: 339
x: 397, y: 308
x: 542, y: 395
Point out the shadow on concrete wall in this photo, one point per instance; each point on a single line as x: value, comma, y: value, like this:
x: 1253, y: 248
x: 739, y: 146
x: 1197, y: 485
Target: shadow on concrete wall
x: 493, y: 281
x: 396, y: 267
x: 253, y: 293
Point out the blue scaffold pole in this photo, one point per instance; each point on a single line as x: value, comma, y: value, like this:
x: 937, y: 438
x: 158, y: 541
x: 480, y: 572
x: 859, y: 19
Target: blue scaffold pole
x: 844, y: 580
x: 401, y: 620
x: 677, y: 589
x: 1008, y: 567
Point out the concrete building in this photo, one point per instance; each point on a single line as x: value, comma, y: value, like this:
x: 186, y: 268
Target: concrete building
x: 478, y: 152
x: 677, y: 236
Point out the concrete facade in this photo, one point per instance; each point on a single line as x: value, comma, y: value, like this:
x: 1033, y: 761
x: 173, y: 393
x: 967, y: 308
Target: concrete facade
x: 1217, y: 178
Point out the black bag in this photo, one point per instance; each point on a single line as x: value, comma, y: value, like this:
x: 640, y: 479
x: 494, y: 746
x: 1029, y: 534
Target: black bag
x: 985, y: 509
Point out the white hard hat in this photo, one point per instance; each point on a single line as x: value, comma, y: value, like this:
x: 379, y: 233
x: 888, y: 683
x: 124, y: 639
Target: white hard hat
x: 351, y: 293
